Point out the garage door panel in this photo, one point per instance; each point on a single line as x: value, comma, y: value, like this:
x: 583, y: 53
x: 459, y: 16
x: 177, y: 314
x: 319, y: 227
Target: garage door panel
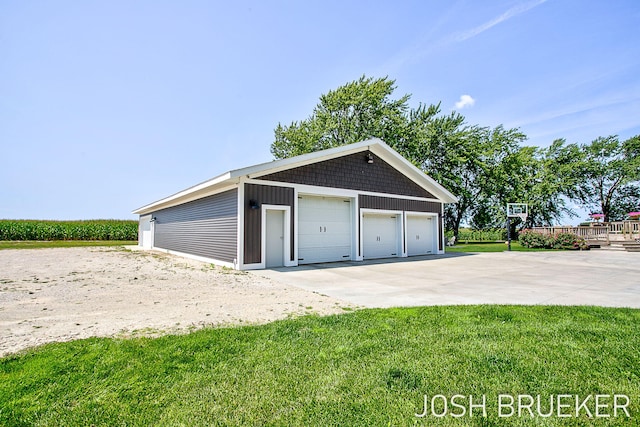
x: 420, y: 235
x: 340, y: 229
x: 380, y: 237
x: 324, y: 229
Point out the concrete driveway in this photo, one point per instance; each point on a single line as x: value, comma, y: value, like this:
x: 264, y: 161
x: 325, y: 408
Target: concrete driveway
x: 604, y: 278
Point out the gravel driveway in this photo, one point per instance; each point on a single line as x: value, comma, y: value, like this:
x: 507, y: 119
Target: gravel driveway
x: 69, y: 293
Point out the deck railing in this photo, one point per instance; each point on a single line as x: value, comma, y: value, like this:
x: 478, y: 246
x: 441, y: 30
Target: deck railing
x: 603, y: 232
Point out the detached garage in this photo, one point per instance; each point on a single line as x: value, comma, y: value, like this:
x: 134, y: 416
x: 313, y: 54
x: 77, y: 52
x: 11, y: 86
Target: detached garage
x: 355, y: 202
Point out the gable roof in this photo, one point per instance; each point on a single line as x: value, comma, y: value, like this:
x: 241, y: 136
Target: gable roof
x: 374, y: 145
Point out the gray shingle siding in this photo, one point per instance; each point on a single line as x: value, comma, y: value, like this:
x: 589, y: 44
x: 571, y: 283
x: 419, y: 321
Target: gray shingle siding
x: 207, y: 227
x: 389, y: 203
x: 354, y: 173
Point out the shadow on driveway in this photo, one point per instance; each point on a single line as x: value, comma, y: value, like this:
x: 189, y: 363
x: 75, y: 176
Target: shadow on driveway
x: 380, y: 261
x: 604, y: 278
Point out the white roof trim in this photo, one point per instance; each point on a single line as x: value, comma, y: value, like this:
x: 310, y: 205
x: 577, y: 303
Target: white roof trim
x: 184, y: 195
x: 375, y: 145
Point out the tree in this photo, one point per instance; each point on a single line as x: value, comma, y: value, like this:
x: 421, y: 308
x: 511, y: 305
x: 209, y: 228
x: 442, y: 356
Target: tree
x: 610, y: 176
x: 626, y: 200
x: 441, y: 146
x: 357, y: 111
x: 555, y: 181
x: 459, y: 156
x: 447, y: 149
x: 545, y: 179
x: 506, y: 164
x: 467, y: 160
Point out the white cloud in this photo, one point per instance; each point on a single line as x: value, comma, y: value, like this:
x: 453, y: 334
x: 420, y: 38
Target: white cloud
x: 465, y: 101
x: 428, y: 44
x: 514, y: 11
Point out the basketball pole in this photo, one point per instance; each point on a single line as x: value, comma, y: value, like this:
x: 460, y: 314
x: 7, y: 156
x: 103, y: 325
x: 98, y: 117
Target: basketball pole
x: 508, y: 233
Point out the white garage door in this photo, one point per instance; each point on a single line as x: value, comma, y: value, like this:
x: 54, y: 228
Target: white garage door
x: 421, y: 233
x: 380, y: 237
x: 324, y: 229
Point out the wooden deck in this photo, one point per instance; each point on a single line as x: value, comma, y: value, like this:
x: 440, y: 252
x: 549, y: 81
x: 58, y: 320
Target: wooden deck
x: 600, y: 234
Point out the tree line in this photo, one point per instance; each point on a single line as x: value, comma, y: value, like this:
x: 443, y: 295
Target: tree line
x: 485, y: 167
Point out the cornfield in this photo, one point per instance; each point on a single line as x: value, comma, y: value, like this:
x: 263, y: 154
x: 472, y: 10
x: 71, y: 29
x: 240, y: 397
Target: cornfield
x: 102, y: 229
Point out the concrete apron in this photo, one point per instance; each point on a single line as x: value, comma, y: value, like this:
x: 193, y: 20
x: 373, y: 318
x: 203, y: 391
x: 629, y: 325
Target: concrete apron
x: 600, y: 278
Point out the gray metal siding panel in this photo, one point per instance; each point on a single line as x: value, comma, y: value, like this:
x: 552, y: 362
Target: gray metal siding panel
x: 207, y: 227
x: 269, y: 195
x: 354, y: 173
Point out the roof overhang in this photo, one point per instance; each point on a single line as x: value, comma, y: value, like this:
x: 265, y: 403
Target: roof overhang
x: 204, y: 189
x: 230, y: 179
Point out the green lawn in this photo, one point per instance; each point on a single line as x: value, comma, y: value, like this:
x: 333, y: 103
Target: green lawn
x: 363, y: 368
x: 490, y: 247
x: 39, y: 244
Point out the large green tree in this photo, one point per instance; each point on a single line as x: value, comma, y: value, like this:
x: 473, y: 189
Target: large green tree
x: 544, y: 178
x: 357, y: 111
x: 505, y: 164
x: 484, y: 167
x: 465, y: 159
x: 609, y: 172
x: 366, y: 108
x: 554, y: 182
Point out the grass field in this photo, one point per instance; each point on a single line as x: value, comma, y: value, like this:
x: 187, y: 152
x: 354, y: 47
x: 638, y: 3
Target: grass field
x: 364, y: 368
x: 39, y: 244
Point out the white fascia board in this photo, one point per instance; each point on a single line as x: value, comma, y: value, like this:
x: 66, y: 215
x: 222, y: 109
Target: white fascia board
x: 191, y: 193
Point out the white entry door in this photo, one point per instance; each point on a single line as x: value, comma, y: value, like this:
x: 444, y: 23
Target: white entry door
x: 274, y: 236
x: 421, y: 232
x: 380, y: 236
x: 324, y: 229
x: 146, y: 232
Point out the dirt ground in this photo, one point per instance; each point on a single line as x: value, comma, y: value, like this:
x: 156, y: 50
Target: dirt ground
x: 70, y: 293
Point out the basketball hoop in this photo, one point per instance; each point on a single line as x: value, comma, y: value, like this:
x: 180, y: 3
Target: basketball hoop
x: 515, y: 210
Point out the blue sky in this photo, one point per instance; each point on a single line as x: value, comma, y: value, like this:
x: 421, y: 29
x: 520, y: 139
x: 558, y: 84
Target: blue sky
x: 108, y: 105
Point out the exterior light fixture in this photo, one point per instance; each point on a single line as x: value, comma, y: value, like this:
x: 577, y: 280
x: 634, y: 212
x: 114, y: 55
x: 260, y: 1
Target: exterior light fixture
x: 369, y: 158
x: 253, y: 204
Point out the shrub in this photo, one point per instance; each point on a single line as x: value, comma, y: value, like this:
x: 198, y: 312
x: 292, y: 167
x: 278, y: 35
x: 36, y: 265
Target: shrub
x: 532, y: 239
x: 467, y: 234
x: 569, y: 241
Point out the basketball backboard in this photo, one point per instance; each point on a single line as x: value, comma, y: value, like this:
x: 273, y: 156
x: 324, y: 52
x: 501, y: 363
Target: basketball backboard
x: 517, y: 210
